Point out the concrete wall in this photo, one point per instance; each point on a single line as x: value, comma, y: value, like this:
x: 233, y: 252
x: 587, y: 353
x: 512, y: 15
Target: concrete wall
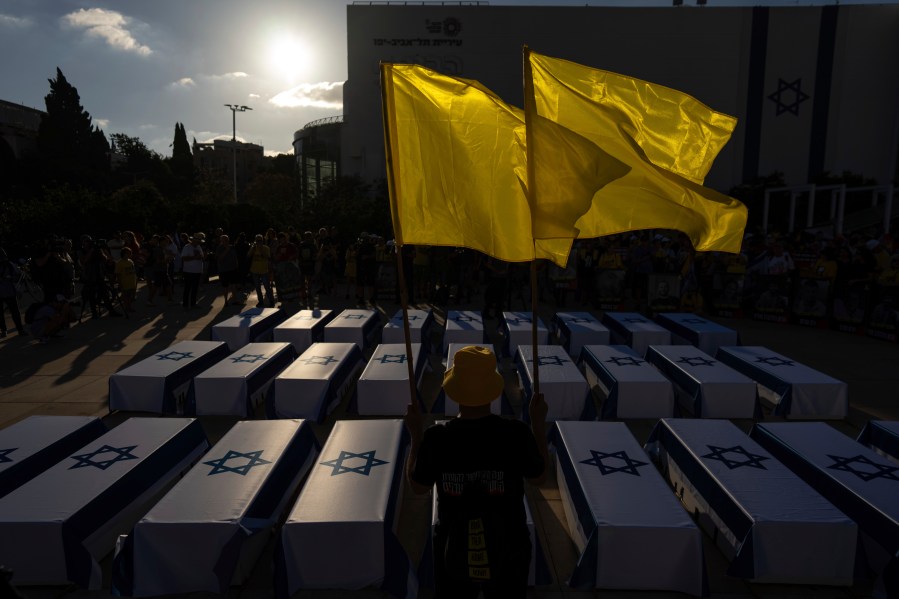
x: 733, y: 59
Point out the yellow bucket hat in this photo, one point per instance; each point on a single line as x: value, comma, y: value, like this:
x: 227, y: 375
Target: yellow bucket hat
x: 473, y: 380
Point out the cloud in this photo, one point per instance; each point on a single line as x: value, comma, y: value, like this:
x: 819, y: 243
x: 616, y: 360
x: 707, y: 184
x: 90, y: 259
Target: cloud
x: 108, y: 25
x: 184, y: 83
x: 11, y: 21
x: 254, y: 96
x: 311, y: 95
x: 228, y: 76
x: 102, y: 123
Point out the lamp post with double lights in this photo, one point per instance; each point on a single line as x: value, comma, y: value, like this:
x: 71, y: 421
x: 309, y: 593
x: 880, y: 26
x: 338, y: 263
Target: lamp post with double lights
x: 235, y: 108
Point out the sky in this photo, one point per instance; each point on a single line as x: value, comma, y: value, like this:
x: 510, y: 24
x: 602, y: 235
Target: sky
x: 140, y: 66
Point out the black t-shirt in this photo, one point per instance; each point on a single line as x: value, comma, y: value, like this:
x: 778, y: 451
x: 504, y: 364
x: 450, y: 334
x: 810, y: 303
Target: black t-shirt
x: 488, y: 458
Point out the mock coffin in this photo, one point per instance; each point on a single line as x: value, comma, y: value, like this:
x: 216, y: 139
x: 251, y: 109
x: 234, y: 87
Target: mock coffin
x: 630, y: 530
x: 341, y: 532
x: 237, y: 384
x: 49, y: 537
x: 208, y: 531
x: 633, y: 387
x: 255, y: 324
x: 161, y: 383
x: 774, y: 527
x: 36, y: 443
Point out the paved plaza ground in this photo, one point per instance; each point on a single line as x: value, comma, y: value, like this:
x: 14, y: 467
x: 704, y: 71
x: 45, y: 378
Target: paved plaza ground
x: 70, y: 374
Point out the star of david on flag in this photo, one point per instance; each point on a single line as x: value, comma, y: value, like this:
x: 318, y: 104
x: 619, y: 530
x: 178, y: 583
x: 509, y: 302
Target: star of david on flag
x: 121, y: 454
x: 4, y: 455
x: 392, y: 359
x: 625, y: 361
x: 249, y: 358
x: 319, y: 360
x: 252, y: 459
x: 774, y: 361
x: 629, y: 466
x: 752, y: 460
x: 550, y: 360
x: 340, y: 467
x: 175, y: 355
x: 693, y: 321
x: 869, y: 470
x: 696, y: 361
x: 463, y: 318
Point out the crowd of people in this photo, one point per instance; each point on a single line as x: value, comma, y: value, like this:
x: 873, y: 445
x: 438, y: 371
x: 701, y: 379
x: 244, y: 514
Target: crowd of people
x: 851, y: 279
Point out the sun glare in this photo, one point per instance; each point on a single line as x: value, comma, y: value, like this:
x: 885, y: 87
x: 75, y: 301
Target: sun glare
x: 287, y: 56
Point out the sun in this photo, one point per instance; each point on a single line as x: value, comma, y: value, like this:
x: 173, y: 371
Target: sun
x: 287, y: 56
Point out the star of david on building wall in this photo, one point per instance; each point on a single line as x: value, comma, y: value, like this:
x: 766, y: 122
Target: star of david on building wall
x: 751, y: 460
x: 252, y: 459
x: 599, y: 458
x: 869, y: 471
x: 788, y: 97
x: 121, y: 454
x: 175, y: 355
x: 339, y: 467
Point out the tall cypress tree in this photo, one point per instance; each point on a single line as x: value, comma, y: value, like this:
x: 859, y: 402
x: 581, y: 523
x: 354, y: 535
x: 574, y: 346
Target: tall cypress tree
x: 182, y: 159
x: 72, y: 149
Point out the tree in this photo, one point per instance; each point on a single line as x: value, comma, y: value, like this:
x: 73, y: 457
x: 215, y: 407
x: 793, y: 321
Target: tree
x: 72, y: 149
x: 182, y: 159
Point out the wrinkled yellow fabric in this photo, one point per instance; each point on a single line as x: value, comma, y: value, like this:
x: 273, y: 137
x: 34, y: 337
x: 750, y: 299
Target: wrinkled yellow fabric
x: 668, y: 139
x: 457, y: 158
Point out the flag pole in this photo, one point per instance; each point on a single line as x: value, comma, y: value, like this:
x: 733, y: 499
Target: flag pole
x: 398, y: 239
x: 532, y: 193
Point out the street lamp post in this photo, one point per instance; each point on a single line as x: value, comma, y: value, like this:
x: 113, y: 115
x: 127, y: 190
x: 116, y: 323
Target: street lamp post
x: 235, y: 108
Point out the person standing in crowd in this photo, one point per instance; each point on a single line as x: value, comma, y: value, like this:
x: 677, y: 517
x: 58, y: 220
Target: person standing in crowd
x: 288, y: 278
x: 95, y: 265
x: 366, y: 269
x: 126, y: 275
x: 192, y: 258
x: 9, y: 274
x: 478, y: 463
x: 227, y: 263
x: 349, y: 270
x: 260, y: 258
x: 495, y: 293
x: 242, y: 247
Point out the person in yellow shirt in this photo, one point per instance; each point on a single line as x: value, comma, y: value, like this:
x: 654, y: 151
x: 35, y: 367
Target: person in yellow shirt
x: 126, y: 275
x: 260, y: 257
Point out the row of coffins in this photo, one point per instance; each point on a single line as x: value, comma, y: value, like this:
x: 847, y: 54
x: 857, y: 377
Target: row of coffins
x: 644, y: 377
x: 792, y: 502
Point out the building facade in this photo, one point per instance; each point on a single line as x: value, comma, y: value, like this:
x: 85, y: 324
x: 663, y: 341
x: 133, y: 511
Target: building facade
x: 317, y: 150
x: 221, y: 157
x: 815, y: 88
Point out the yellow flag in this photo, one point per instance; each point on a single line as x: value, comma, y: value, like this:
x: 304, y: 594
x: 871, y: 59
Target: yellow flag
x: 668, y: 139
x: 457, y: 167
